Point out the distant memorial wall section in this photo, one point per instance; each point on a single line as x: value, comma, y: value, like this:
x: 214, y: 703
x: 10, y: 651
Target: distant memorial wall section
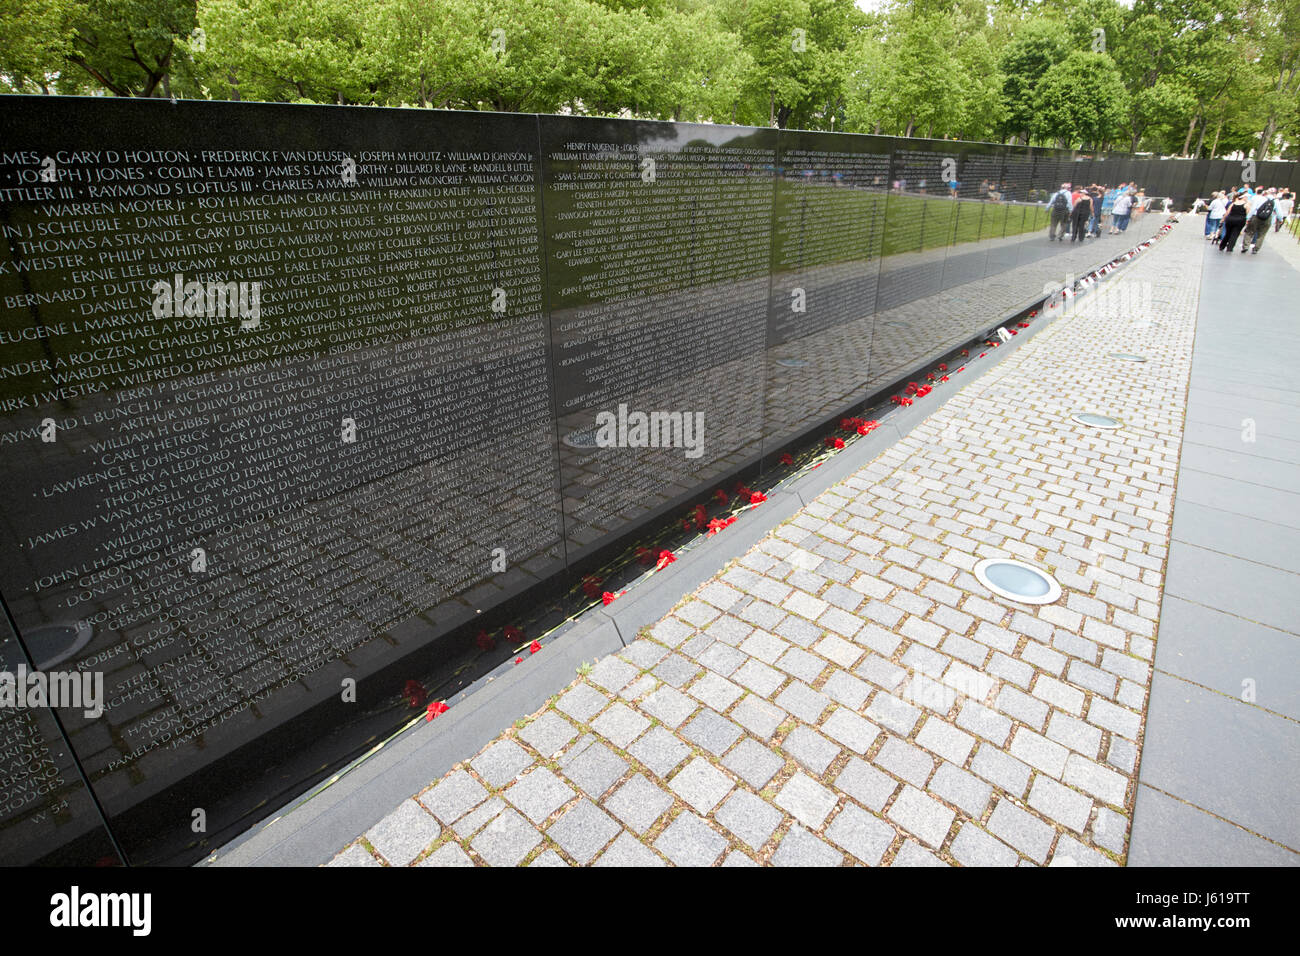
x: 279, y: 384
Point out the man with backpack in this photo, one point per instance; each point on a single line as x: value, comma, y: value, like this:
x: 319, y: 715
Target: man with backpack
x: 1060, y: 204
x: 1260, y: 213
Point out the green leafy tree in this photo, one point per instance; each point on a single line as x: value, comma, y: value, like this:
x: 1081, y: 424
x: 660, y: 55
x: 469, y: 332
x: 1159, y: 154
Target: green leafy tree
x: 1081, y: 100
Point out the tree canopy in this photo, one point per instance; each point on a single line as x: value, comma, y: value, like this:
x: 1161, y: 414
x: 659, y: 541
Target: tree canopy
x: 1175, y: 77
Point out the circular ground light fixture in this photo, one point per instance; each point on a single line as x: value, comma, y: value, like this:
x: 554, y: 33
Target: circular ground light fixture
x: 1126, y: 356
x: 584, y: 439
x: 1094, y: 420
x: 1017, y: 581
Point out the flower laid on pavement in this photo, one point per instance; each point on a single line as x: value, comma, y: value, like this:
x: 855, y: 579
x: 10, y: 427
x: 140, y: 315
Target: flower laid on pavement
x: 434, y: 709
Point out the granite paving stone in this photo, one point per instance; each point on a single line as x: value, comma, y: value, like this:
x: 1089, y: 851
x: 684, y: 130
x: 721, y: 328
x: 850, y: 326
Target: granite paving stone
x: 806, y: 800
x: 702, y: 785
x: 453, y: 796
x: 506, y: 840
x: 923, y: 817
x: 689, y: 841
x: 801, y: 848
x: 447, y: 855
x: 862, y: 834
x: 638, y: 803
x: 627, y: 850
x: 620, y: 724
x: 404, y: 834
x: 501, y: 762
x: 549, y: 733
x: 866, y: 784
x: 758, y: 716
x: 973, y: 847
x: 582, y: 702
x: 538, y: 794
x: 711, y: 731
x: 660, y: 751
x: 810, y: 748
x: 753, y: 763
x: 583, y: 831
x: 749, y: 817
x: 596, y: 769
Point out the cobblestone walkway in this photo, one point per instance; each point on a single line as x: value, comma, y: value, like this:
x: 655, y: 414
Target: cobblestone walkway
x: 847, y: 692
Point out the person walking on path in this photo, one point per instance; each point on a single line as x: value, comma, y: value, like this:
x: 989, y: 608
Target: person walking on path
x: 1282, y: 211
x: 1122, y: 210
x: 1260, y: 215
x: 1060, y: 204
x: 1095, y: 193
x: 1107, y: 204
x: 1234, y: 220
x: 1080, y: 214
x: 1214, y: 218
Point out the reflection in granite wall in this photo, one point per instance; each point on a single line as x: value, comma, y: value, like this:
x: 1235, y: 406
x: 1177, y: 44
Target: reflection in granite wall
x: 289, y: 395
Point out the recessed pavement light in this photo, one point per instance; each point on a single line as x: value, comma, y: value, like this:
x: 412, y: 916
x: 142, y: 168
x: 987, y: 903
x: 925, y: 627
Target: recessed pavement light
x: 1017, y: 581
x: 1126, y: 356
x: 584, y: 439
x: 1093, y: 420
x: 791, y: 362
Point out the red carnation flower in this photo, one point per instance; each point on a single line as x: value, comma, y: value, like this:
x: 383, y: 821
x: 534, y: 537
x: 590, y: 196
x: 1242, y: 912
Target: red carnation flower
x: 534, y: 647
x: 942, y: 367
x: 434, y: 709
x: 945, y: 378
x: 757, y: 497
x: 786, y: 459
x: 665, y: 558
x: 965, y: 353
x: 982, y: 354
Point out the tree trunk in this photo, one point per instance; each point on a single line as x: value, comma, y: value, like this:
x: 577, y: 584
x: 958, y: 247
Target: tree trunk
x: 1217, y: 129
x: 234, y: 85
x: 771, y: 108
x: 1191, y: 128
x: 1266, y: 139
x: 1200, y: 141
x: 908, y: 131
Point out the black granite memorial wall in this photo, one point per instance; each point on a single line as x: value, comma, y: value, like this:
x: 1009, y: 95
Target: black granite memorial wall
x: 289, y: 395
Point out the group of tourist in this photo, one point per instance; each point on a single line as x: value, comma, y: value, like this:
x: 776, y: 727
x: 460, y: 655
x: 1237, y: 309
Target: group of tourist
x: 1245, y: 213
x: 1079, y: 213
